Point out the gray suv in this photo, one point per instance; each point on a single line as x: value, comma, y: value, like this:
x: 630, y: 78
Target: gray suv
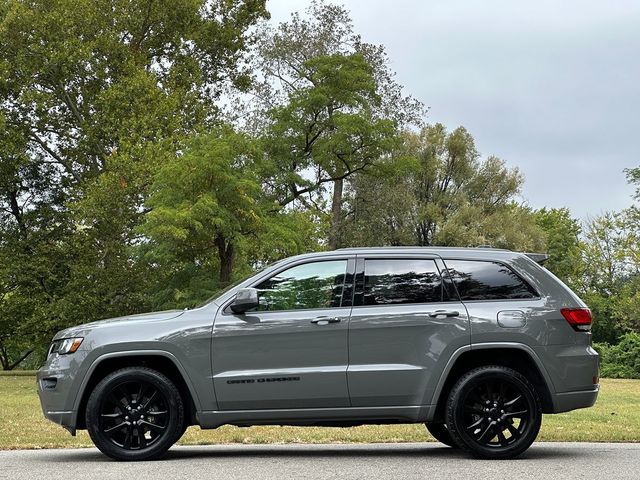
x: 475, y: 343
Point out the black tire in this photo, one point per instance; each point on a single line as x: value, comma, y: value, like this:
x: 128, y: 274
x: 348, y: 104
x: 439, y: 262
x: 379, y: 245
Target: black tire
x: 181, y: 430
x: 440, y: 432
x: 135, y: 413
x: 493, y: 412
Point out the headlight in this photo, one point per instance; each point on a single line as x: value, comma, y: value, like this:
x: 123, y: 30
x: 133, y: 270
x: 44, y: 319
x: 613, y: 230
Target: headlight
x: 65, y: 345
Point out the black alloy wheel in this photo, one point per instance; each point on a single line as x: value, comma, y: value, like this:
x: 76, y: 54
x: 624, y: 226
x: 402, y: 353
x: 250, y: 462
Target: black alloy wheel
x: 493, y: 412
x: 135, y: 414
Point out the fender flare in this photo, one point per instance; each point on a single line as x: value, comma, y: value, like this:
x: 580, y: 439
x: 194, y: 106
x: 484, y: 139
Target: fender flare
x: 484, y: 346
x: 132, y: 353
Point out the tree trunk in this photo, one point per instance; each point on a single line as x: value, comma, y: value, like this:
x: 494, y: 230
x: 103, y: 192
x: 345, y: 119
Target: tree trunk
x: 425, y: 231
x: 226, y: 254
x: 15, y: 210
x: 335, y: 225
x: 19, y: 360
x: 5, y: 362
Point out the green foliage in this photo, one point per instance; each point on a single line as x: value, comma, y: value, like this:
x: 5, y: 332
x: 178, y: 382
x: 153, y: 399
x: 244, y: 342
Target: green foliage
x: 562, y: 240
x: 207, y: 208
x: 94, y: 97
x: 435, y: 190
x: 633, y: 177
x: 610, y: 274
x: 333, y: 109
x: 210, y: 191
x: 621, y: 360
x: 326, y: 127
x: 283, y: 67
x: 606, y: 327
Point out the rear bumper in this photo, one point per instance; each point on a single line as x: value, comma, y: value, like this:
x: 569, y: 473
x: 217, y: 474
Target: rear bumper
x: 572, y: 372
x: 566, y: 401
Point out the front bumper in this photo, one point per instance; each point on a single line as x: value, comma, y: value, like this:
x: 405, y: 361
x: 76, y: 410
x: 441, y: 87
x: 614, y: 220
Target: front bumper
x: 66, y: 419
x: 57, y: 388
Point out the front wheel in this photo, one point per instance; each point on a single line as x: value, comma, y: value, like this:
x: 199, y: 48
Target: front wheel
x: 135, y: 413
x: 493, y: 412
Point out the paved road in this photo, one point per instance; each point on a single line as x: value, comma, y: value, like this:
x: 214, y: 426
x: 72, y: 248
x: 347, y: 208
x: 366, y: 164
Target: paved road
x: 374, y: 461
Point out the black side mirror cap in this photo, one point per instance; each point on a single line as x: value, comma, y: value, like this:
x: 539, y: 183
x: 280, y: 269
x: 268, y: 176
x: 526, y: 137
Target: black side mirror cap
x: 246, y: 299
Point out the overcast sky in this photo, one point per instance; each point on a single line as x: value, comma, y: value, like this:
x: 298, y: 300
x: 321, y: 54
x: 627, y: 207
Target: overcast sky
x: 552, y: 87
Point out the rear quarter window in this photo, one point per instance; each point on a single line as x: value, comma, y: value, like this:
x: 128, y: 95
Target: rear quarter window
x: 485, y: 280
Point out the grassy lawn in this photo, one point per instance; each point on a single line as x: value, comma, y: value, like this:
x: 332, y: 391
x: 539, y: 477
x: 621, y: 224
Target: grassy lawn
x: 614, y: 418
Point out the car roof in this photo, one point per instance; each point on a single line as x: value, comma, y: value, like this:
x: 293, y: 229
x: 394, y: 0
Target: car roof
x: 484, y: 253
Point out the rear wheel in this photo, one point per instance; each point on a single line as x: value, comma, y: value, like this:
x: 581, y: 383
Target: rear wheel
x: 493, y: 412
x: 135, y: 414
x: 439, y: 432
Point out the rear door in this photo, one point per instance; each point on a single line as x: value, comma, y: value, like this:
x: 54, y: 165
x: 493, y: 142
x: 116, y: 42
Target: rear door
x: 291, y: 352
x: 405, y: 325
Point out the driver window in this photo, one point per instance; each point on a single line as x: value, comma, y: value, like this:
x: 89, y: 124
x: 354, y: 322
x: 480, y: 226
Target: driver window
x: 310, y: 285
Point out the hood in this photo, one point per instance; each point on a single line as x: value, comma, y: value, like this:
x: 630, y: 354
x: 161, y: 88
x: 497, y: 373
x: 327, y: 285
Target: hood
x: 80, y: 330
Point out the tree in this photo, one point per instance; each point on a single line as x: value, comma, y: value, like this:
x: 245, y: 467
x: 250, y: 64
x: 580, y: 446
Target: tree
x: 327, y: 128
x: 633, y: 177
x: 86, y: 80
x: 562, y: 239
x: 207, y: 206
x: 94, y: 96
x: 205, y: 200
x: 333, y: 97
x: 435, y: 190
x: 610, y: 277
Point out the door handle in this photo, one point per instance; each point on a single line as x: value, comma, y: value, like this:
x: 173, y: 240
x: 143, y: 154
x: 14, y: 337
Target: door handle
x: 444, y: 313
x: 325, y: 320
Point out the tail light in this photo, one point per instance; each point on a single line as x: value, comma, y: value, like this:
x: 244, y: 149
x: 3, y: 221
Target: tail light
x: 579, y: 318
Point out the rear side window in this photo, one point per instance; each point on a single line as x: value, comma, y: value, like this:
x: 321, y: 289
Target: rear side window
x: 400, y: 281
x: 477, y: 280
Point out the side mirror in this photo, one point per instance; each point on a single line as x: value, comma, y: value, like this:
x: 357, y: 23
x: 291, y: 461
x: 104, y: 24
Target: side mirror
x: 246, y: 299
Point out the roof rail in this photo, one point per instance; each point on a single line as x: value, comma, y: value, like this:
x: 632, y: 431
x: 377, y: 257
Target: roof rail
x: 418, y: 247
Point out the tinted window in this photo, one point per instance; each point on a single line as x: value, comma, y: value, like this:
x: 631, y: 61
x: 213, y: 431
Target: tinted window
x: 401, y: 281
x: 311, y: 285
x: 487, y: 281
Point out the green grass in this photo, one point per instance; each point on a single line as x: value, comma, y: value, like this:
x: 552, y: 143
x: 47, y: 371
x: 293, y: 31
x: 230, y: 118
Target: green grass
x: 17, y: 373
x: 614, y: 418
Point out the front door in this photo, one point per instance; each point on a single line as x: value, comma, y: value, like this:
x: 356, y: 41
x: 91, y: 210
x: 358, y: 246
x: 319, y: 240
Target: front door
x: 405, y: 325
x: 291, y: 352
